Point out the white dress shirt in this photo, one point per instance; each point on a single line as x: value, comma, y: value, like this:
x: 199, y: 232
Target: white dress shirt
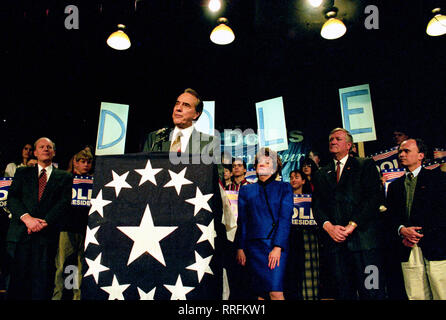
x: 342, y: 165
x: 48, y: 170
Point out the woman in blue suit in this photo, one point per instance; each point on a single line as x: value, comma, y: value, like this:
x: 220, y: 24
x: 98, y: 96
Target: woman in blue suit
x: 265, y: 209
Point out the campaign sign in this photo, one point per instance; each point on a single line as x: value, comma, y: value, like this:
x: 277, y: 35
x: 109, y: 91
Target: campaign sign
x: 251, y: 176
x: 303, y: 215
x: 357, y: 112
x: 112, y: 128
x: 82, y: 190
x: 271, y: 124
x: 233, y: 200
x: 5, y: 183
x: 433, y: 164
x: 387, y: 159
x: 391, y: 175
x: 206, y: 122
x: 439, y: 153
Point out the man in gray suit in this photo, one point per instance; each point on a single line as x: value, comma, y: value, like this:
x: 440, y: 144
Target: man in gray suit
x: 184, y: 138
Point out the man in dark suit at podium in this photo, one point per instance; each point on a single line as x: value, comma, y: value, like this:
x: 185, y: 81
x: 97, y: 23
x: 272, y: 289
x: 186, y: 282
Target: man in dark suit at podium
x: 37, y: 199
x: 346, y: 202
x: 183, y: 137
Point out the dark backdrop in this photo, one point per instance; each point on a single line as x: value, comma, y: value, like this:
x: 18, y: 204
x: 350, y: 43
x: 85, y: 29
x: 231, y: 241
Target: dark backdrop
x: 54, y: 79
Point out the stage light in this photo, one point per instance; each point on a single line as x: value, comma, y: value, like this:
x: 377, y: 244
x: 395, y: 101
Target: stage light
x: 437, y: 25
x: 214, y: 5
x: 333, y: 28
x: 222, y: 34
x: 315, y: 3
x: 119, y: 40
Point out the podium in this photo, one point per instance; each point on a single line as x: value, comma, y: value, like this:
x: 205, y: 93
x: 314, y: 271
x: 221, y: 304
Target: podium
x: 154, y: 230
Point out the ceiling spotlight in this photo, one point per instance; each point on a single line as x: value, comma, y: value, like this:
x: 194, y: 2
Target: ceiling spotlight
x: 333, y: 28
x: 437, y: 25
x: 315, y: 3
x: 119, y: 40
x: 214, y: 5
x: 222, y: 34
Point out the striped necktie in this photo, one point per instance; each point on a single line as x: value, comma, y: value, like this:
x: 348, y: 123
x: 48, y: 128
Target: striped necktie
x: 42, y: 182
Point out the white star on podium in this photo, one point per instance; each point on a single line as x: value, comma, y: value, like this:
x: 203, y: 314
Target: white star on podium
x: 178, y: 290
x: 90, y: 236
x: 177, y: 180
x: 146, y: 238
x: 201, y: 266
x: 95, y: 267
x: 148, y: 174
x: 200, y: 201
x: 118, y: 182
x: 146, y: 296
x: 98, y: 204
x: 115, y: 290
x: 208, y: 233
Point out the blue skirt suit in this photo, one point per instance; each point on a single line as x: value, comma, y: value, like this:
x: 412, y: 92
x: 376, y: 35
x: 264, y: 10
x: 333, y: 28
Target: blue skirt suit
x: 264, y: 219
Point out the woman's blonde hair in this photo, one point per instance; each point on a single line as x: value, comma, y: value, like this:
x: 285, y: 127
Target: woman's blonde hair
x: 267, y: 152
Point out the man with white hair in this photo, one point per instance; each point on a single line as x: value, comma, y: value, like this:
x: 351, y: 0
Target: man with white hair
x: 37, y: 199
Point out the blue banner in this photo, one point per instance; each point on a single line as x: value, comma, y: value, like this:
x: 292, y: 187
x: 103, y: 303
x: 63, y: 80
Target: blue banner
x: 5, y: 183
x: 236, y: 143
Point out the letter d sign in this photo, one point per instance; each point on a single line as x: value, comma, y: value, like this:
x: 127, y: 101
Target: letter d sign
x: 112, y: 128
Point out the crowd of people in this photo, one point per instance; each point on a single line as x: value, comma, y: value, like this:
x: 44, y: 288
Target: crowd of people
x: 363, y: 245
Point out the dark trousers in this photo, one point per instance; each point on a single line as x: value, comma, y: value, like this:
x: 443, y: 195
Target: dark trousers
x: 295, y: 266
x: 238, y: 277
x: 4, y: 224
x: 394, y: 274
x: 356, y: 274
x: 32, y: 267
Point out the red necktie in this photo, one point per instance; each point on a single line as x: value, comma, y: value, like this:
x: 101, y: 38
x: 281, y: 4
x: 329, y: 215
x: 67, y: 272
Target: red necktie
x: 42, y: 182
x: 338, y: 170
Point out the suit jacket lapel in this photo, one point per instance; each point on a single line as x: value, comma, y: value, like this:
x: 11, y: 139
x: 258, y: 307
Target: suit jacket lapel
x: 165, y: 145
x: 421, y: 184
x: 330, y: 173
x: 35, y: 182
x: 346, y: 171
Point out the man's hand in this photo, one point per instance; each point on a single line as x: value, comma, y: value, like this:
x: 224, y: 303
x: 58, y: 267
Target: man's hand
x: 350, y: 227
x: 336, y: 232
x: 33, y: 224
x: 407, y: 243
x: 241, y: 257
x: 411, y: 235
